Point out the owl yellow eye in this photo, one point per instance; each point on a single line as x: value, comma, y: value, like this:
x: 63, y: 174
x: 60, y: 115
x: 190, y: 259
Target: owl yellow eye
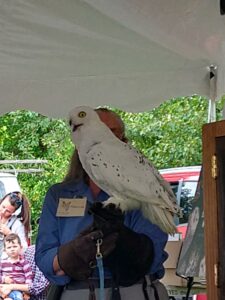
x: 82, y: 114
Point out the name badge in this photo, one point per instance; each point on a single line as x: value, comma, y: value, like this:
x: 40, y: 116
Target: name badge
x: 73, y: 207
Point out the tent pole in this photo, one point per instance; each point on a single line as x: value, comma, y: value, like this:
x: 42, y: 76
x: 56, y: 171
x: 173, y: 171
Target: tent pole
x: 212, y: 93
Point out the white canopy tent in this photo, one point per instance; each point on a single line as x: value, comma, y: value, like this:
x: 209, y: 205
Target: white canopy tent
x: 130, y: 54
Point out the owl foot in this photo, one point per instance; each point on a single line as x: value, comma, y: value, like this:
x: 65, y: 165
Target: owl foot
x: 106, y: 212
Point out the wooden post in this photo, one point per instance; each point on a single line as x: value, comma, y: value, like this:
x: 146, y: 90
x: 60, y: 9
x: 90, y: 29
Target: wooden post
x: 212, y: 203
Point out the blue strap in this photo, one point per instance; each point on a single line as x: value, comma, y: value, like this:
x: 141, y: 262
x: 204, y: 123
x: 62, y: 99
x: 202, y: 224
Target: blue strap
x: 100, y: 269
x: 101, y: 277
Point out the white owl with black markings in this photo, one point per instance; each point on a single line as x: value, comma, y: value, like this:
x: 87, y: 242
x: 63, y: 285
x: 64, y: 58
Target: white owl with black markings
x: 129, y: 178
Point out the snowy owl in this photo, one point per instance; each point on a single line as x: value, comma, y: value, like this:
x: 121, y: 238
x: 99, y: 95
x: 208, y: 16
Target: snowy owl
x: 129, y: 178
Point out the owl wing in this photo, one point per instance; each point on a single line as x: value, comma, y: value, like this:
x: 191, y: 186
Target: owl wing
x: 120, y: 170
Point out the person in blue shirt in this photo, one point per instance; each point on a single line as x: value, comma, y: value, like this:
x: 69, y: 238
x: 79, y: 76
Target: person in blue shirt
x: 132, y: 247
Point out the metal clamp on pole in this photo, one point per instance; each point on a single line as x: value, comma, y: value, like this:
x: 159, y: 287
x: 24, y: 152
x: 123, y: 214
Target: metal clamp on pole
x: 212, y: 93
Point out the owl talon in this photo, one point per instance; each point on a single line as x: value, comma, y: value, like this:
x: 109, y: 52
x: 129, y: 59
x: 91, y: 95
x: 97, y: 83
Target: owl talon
x: 113, y: 209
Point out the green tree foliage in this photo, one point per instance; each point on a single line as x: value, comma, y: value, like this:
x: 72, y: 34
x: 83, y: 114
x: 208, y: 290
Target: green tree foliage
x: 28, y: 135
x: 169, y: 135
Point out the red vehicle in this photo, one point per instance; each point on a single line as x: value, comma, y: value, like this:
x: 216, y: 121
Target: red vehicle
x: 183, y: 181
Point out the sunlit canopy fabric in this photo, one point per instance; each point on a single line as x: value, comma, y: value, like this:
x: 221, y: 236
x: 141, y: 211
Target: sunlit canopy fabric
x: 130, y: 54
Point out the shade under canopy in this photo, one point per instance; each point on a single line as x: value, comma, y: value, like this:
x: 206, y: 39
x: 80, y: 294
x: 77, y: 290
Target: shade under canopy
x: 130, y: 54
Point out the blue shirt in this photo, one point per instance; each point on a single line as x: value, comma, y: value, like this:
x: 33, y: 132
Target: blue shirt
x: 55, y: 231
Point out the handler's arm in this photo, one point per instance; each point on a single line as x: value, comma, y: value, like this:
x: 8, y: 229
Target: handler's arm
x: 47, y: 242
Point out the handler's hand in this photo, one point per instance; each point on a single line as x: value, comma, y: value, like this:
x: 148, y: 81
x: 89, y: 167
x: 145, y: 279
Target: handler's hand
x: 134, y: 252
x: 108, y: 218
x: 78, y: 257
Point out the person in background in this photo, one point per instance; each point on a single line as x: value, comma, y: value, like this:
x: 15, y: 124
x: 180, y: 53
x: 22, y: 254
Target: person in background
x: 14, y: 218
x: 132, y: 247
x: 35, y: 290
x: 14, y: 268
x: 39, y: 286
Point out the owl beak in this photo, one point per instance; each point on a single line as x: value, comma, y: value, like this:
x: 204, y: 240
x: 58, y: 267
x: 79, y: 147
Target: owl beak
x: 74, y: 127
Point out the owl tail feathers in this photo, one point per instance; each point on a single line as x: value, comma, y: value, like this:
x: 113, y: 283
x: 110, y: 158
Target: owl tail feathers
x: 166, y: 223
x: 161, y: 217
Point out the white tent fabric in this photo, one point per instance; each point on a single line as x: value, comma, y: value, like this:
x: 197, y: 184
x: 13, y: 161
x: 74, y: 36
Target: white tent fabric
x: 130, y: 54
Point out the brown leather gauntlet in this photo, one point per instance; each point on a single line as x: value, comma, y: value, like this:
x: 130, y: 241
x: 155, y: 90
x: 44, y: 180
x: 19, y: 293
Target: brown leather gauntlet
x: 77, y: 258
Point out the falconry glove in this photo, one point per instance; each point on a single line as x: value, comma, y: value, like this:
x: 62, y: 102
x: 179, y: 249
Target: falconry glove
x: 134, y: 252
x: 77, y: 258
